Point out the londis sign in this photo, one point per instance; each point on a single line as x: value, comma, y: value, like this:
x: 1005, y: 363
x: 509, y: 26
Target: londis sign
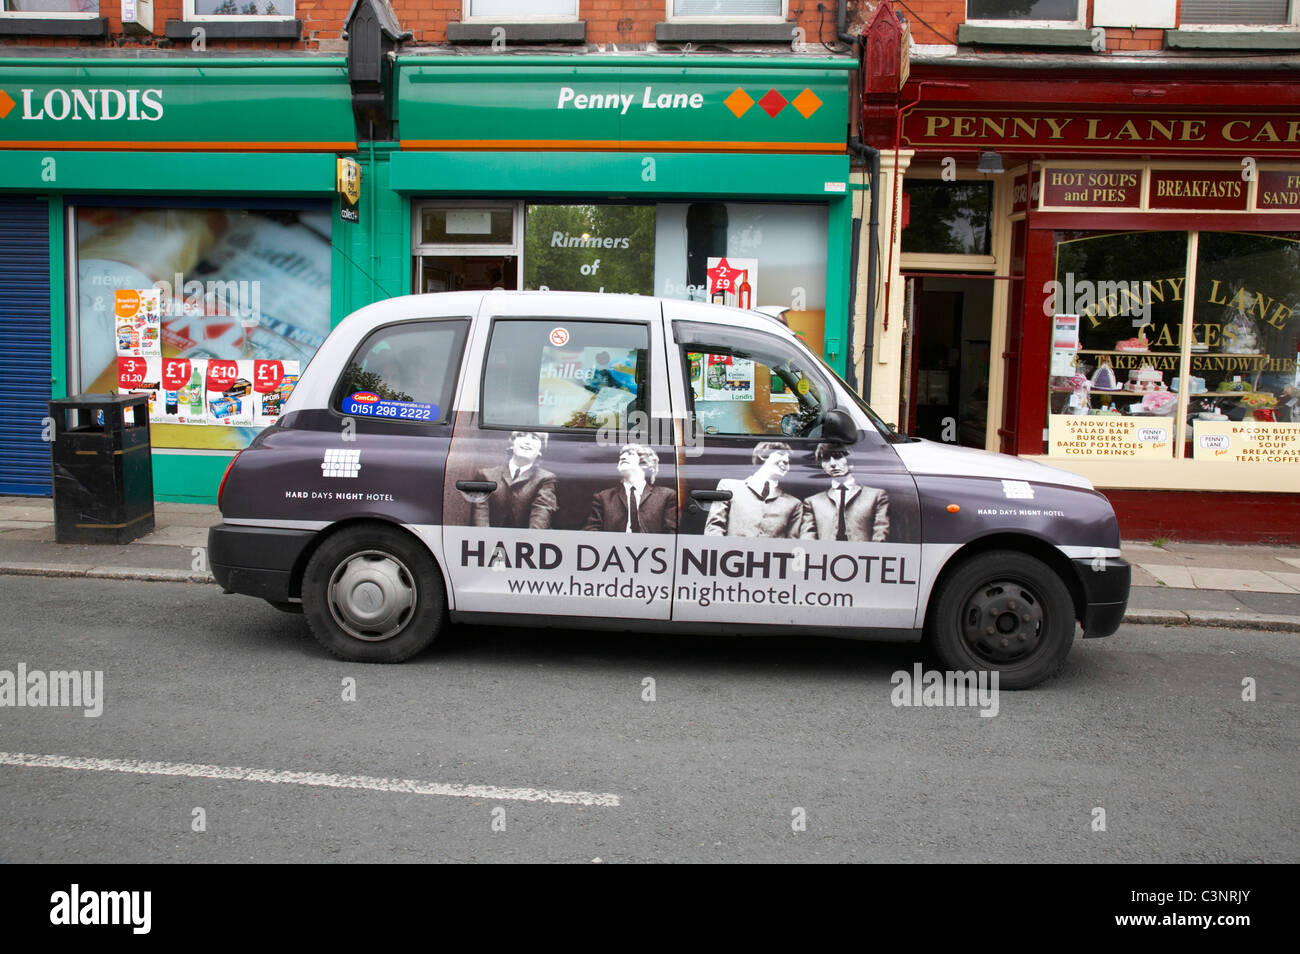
x: 1076, y: 131
x: 220, y: 106
x: 106, y: 105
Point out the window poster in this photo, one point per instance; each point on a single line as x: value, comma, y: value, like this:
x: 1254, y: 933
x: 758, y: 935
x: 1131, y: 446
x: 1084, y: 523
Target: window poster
x: 139, y: 321
x: 727, y: 378
x: 190, y: 391
x: 203, y: 286
x: 585, y: 386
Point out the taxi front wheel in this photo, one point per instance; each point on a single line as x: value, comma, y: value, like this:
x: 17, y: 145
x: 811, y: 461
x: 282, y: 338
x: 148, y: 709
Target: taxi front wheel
x: 371, y: 594
x: 1003, y: 611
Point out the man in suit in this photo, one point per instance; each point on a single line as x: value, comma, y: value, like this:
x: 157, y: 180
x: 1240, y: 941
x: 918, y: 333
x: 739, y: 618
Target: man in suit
x: 758, y: 507
x: 636, y: 505
x: 525, y: 494
x: 847, y: 511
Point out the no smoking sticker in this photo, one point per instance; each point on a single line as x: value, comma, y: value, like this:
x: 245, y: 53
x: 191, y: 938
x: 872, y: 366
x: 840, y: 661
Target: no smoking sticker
x: 559, y: 337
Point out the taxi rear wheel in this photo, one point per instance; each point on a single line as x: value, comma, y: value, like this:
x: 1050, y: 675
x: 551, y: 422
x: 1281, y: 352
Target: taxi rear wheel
x: 1006, y: 612
x: 372, y: 594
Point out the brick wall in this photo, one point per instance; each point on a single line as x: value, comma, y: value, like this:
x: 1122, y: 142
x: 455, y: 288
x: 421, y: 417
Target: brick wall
x: 621, y: 22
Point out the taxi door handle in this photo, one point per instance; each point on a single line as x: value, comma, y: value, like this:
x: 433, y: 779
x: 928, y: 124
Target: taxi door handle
x: 476, y: 486
x: 709, y: 496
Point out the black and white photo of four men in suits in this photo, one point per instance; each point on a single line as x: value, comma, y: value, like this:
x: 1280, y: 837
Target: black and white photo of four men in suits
x: 526, y: 498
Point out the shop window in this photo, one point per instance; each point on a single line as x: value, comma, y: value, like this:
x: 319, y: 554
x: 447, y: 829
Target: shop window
x: 1247, y: 13
x: 564, y: 373
x: 211, y: 311
x: 405, y: 373
x: 1245, y: 331
x: 1029, y: 12
x: 948, y: 218
x: 1131, y: 377
x: 746, y: 385
x: 49, y: 8
x: 218, y: 9
x: 597, y: 248
x: 513, y: 10
x: 726, y: 9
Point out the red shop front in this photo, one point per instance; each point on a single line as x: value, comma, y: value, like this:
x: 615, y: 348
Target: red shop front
x: 1133, y: 270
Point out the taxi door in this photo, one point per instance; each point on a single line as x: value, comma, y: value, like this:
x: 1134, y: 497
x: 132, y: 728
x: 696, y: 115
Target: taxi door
x: 561, y: 491
x: 779, y: 525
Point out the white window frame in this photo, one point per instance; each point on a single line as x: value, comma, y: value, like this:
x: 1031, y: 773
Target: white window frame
x: 190, y: 15
x: 466, y: 17
x: 40, y: 15
x: 1080, y: 20
x: 1292, y: 24
x: 671, y: 15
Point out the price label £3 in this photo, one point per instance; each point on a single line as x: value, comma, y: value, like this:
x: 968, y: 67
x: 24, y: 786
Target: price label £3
x: 130, y: 373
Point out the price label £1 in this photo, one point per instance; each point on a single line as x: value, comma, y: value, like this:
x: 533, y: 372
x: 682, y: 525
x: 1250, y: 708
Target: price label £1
x: 222, y: 375
x: 267, y: 376
x: 175, y: 373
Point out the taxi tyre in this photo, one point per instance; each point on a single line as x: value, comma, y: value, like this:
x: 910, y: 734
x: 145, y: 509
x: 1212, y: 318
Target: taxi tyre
x: 1005, y: 611
x: 372, y: 594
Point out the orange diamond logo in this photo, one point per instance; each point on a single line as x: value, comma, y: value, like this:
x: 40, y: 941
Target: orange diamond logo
x: 807, y: 103
x: 6, y: 103
x: 739, y: 102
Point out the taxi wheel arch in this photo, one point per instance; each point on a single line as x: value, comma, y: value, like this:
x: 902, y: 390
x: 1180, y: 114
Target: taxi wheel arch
x: 372, y: 592
x: 1005, y: 609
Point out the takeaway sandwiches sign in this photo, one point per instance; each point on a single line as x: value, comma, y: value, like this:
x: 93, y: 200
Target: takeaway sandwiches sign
x: 98, y: 105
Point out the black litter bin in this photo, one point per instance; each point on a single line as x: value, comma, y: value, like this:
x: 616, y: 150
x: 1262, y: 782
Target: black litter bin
x: 103, y: 468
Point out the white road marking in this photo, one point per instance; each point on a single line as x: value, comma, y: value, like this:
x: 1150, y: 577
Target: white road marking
x: 318, y: 779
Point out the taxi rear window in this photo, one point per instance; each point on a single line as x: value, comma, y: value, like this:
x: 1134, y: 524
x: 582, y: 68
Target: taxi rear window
x: 404, y: 372
x: 564, y: 373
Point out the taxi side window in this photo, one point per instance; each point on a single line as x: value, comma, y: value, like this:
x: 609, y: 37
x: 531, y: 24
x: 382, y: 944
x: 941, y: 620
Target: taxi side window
x: 404, y: 372
x: 753, y: 388
x: 562, y: 373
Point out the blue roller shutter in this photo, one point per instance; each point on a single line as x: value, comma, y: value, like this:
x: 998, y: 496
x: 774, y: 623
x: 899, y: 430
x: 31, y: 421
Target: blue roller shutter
x: 24, y: 346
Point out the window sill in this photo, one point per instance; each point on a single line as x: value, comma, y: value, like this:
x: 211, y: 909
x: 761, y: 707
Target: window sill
x: 968, y: 35
x: 1232, y: 39
x: 517, y: 33
x: 183, y: 30
x: 681, y: 32
x: 55, y: 26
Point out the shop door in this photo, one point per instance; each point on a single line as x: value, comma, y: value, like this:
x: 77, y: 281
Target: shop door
x: 779, y: 526
x: 948, y: 345
x: 561, y: 492
x: 24, y: 346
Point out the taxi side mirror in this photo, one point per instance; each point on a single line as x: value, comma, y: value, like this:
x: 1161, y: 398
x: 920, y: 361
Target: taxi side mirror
x: 838, y: 427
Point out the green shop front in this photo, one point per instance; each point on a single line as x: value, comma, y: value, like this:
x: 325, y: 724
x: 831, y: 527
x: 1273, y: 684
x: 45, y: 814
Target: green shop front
x: 719, y: 179
x: 175, y: 227
x: 167, y: 227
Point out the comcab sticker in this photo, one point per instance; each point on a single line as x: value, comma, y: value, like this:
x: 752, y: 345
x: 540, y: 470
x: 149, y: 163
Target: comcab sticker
x: 370, y: 404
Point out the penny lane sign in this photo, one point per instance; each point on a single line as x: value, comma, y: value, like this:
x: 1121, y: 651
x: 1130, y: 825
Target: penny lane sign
x: 790, y: 107
x: 1075, y: 131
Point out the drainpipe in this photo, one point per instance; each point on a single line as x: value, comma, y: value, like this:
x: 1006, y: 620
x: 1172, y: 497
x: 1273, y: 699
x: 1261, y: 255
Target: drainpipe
x: 871, y: 158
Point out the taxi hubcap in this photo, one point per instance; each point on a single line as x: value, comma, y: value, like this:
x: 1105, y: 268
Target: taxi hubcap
x: 1002, y: 621
x: 371, y: 595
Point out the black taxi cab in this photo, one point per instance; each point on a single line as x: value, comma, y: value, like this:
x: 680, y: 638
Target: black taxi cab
x: 610, y: 461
